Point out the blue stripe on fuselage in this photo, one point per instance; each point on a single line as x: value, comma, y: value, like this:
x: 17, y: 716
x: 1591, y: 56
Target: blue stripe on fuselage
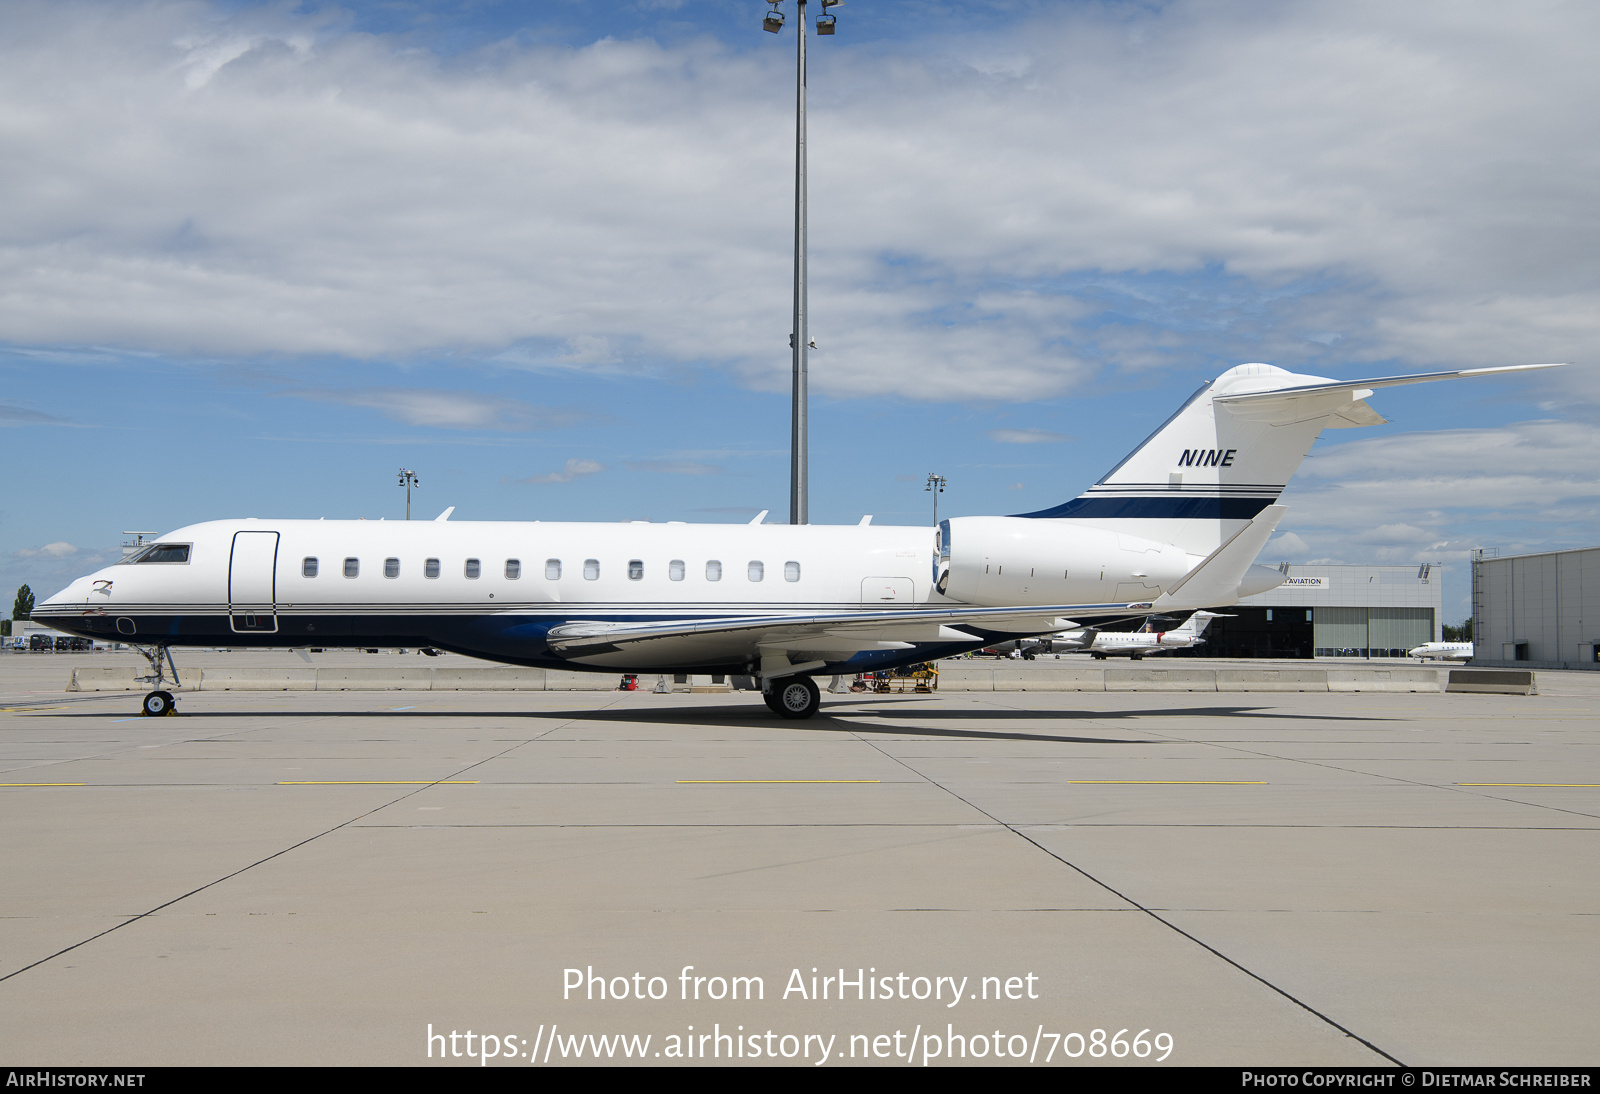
x: 1172, y: 508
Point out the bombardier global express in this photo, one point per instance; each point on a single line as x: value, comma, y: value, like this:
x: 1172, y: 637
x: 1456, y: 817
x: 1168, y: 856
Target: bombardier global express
x: 1135, y: 644
x: 1176, y: 526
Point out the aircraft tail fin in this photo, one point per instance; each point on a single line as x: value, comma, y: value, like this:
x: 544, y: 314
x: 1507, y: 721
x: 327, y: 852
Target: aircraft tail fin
x: 1228, y: 453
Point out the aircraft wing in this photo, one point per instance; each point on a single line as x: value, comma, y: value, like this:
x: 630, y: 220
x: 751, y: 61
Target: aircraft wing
x: 844, y: 632
x: 820, y: 638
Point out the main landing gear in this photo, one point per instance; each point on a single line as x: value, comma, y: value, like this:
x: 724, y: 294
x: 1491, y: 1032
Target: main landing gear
x: 792, y: 696
x: 160, y: 701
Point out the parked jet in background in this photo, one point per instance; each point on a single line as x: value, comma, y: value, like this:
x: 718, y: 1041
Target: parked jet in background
x: 1174, y: 527
x: 1443, y: 651
x: 1136, y: 644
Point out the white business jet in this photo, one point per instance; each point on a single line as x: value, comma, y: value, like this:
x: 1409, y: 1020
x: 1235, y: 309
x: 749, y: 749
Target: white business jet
x: 1175, y: 526
x: 1442, y: 651
x: 1136, y: 644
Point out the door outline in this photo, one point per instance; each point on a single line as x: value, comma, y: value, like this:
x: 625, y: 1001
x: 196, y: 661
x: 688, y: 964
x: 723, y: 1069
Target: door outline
x: 245, y: 561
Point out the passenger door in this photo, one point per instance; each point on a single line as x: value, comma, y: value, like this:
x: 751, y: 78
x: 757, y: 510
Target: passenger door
x: 252, y: 582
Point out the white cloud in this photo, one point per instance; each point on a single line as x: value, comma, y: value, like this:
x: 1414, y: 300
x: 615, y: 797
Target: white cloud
x: 1433, y: 497
x: 1027, y: 436
x: 673, y: 467
x: 59, y: 549
x: 445, y: 409
x: 1286, y: 546
x: 574, y: 469
x: 11, y: 415
x: 996, y: 214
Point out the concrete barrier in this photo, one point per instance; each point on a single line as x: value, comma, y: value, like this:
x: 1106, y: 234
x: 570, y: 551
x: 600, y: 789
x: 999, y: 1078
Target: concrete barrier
x: 567, y: 680
x: 1013, y: 675
x: 1272, y: 679
x: 1395, y: 679
x: 120, y: 678
x: 1161, y: 679
x: 501, y: 679
x: 374, y: 679
x: 273, y: 679
x: 1493, y: 681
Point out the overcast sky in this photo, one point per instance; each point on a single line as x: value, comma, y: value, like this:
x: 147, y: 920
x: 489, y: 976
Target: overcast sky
x: 255, y: 257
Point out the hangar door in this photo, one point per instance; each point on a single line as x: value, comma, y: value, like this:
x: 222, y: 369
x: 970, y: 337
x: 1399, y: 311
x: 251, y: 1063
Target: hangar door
x: 252, y: 582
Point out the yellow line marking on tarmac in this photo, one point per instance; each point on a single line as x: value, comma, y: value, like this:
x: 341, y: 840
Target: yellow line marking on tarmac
x: 1167, y: 782
x: 725, y: 781
x: 44, y: 784
x: 386, y: 782
x: 1528, y: 784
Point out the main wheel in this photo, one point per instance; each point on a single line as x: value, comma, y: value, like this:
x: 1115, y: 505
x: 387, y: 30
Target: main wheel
x: 793, y: 697
x: 157, y: 703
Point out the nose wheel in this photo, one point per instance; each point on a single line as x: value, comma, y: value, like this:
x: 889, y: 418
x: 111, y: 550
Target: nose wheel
x: 159, y: 703
x: 796, y: 697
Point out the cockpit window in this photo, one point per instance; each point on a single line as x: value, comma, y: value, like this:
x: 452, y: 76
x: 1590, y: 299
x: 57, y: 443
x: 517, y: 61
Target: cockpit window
x: 161, y: 552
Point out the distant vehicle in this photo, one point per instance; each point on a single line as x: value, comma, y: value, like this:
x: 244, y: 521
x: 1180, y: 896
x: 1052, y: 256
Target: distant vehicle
x: 40, y: 642
x: 1442, y: 651
x: 1143, y: 641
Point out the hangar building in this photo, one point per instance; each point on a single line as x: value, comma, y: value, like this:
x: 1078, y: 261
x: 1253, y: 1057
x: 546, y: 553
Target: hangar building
x: 1537, y: 611
x: 1333, y: 611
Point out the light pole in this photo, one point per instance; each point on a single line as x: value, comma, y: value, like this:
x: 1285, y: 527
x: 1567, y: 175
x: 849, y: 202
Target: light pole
x: 799, y: 337
x: 935, y: 487
x: 408, y: 479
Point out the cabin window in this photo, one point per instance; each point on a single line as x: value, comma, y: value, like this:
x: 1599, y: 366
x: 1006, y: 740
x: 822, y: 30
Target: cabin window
x: 591, y: 569
x: 675, y: 569
x: 756, y: 570
x: 308, y: 567
x: 713, y: 571
x: 430, y: 568
x: 391, y: 567
x: 552, y: 569
x: 791, y: 571
x: 635, y: 569
x: 473, y: 568
x: 352, y: 567
x: 513, y: 569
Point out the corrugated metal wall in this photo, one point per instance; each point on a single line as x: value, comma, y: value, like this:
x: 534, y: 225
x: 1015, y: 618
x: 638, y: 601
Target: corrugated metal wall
x: 1546, y: 606
x: 1376, y: 632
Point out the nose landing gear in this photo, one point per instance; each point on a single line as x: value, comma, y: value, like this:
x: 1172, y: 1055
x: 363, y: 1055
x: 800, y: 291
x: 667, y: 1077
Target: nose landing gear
x: 159, y: 702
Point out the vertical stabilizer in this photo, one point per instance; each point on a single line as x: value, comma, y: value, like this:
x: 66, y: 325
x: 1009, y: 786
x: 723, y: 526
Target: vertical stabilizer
x: 1227, y: 454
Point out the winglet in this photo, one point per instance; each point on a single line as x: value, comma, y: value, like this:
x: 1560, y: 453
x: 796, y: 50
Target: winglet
x: 445, y: 515
x: 761, y: 516
x: 1216, y: 580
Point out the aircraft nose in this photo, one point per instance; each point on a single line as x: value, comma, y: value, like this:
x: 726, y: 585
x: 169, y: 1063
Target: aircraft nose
x: 76, y: 593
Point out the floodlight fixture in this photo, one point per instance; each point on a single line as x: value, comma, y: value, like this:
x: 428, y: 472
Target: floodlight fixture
x: 825, y: 23
x: 408, y: 479
x: 773, y: 21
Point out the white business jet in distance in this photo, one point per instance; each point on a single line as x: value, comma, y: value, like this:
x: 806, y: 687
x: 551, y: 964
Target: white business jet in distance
x: 1175, y: 526
x: 1442, y: 651
x: 1136, y: 644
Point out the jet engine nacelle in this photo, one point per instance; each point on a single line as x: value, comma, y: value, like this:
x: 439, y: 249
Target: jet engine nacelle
x: 1020, y: 560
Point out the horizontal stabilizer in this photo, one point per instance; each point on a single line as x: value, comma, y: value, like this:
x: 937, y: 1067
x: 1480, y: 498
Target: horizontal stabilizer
x: 1331, y: 386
